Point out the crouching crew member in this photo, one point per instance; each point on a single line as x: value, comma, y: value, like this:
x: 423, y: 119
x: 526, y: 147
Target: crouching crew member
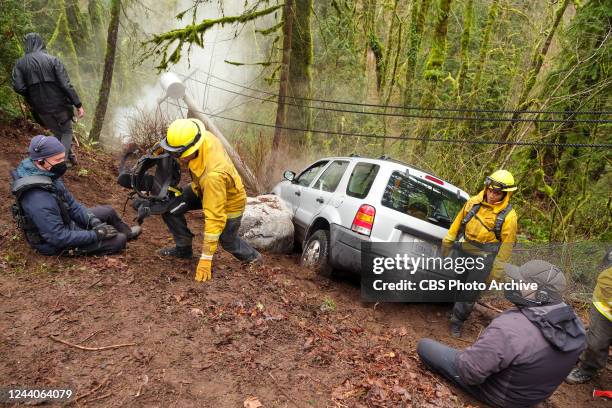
x: 216, y: 188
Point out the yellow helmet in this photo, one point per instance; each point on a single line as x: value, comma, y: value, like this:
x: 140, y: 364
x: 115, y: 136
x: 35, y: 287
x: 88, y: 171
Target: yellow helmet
x: 502, y: 180
x: 184, y: 137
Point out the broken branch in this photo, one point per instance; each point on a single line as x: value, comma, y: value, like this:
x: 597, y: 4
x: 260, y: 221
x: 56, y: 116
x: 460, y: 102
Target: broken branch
x: 90, y: 348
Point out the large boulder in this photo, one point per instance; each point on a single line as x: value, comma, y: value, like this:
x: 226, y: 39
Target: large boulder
x: 267, y: 224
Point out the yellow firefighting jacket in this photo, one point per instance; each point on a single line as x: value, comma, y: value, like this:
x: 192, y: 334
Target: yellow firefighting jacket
x: 602, y: 296
x: 476, y: 231
x: 217, y: 182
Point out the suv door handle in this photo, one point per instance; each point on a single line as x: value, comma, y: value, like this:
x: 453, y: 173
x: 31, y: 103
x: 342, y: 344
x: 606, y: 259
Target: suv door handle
x: 297, y: 193
x: 320, y: 200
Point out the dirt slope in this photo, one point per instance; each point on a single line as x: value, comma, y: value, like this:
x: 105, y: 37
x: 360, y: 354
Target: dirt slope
x: 277, y: 333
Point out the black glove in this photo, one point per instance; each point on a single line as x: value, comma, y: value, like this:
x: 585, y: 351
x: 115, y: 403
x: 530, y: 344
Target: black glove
x: 105, y: 231
x: 143, y: 212
x: 94, y: 221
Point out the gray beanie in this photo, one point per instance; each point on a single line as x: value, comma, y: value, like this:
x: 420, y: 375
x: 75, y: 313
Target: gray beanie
x: 43, y: 146
x: 547, y: 276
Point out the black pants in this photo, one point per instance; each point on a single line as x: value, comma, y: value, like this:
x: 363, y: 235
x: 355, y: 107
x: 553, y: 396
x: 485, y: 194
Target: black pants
x: 229, y: 239
x: 60, y: 123
x: 442, y: 359
x: 599, y: 340
x: 108, y: 215
x: 463, y: 309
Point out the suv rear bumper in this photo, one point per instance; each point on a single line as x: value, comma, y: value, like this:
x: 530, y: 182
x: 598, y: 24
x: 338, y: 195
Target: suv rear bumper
x: 346, y: 248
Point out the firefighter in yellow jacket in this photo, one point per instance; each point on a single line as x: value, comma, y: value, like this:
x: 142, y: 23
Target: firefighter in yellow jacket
x: 216, y: 188
x: 599, y: 337
x: 486, y: 225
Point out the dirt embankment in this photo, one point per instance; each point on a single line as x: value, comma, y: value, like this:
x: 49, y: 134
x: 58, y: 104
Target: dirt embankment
x: 277, y: 333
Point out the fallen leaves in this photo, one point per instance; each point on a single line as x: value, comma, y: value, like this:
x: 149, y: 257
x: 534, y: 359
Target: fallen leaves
x: 252, y: 402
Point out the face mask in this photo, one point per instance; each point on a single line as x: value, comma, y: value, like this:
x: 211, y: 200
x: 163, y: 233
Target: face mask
x: 59, y: 169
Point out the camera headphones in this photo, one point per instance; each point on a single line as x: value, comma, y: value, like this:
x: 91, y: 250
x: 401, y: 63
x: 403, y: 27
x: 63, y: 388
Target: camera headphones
x: 37, y: 149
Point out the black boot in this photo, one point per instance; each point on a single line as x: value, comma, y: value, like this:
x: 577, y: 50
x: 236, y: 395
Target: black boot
x: 455, y: 327
x: 177, y: 252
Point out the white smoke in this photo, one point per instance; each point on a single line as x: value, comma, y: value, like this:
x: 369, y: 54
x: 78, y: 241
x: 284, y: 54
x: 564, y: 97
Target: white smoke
x: 237, y: 43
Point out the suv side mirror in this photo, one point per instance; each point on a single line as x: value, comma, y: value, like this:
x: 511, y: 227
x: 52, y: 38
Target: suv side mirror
x: 289, y: 175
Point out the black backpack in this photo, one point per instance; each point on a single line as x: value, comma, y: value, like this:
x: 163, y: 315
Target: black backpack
x: 19, y: 186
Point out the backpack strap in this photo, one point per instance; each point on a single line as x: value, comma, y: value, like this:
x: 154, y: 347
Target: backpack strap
x: 471, y: 213
x: 499, y: 220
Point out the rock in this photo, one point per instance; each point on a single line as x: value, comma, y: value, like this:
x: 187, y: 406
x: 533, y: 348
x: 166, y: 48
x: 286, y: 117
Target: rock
x: 267, y: 224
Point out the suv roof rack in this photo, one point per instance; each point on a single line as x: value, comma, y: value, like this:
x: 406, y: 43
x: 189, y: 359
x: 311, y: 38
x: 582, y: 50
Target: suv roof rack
x: 354, y: 155
x: 391, y: 159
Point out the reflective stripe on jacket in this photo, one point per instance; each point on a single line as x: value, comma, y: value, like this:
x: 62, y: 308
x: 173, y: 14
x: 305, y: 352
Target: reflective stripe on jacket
x: 217, y: 182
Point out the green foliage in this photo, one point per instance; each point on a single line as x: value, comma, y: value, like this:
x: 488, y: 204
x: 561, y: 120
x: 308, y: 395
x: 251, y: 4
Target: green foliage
x: 15, y: 22
x: 193, y: 34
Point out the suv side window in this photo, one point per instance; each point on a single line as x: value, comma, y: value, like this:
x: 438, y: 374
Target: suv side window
x: 306, y: 177
x: 331, y: 177
x: 361, y: 180
x: 417, y: 198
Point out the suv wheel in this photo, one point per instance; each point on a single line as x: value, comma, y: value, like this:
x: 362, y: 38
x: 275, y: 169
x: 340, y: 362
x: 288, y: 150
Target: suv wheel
x: 316, y: 253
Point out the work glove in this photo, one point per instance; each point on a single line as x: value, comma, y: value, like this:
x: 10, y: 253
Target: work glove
x: 204, y: 270
x: 105, y: 231
x: 94, y: 221
x: 445, y: 250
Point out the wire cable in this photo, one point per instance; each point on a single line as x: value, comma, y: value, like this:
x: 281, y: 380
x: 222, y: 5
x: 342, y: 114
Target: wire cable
x: 406, y: 137
x: 463, y: 118
x: 475, y: 110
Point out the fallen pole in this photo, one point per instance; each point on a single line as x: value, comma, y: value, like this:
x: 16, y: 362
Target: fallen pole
x: 175, y: 89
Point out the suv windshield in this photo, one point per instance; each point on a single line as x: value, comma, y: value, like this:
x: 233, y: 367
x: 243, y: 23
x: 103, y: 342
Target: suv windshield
x: 418, y: 198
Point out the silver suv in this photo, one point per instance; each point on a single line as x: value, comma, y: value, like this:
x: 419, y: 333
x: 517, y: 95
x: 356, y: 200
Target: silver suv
x: 338, y: 203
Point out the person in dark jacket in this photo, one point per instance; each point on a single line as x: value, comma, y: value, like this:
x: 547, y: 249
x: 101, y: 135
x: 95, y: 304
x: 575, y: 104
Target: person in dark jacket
x: 43, y: 81
x: 525, y: 353
x: 61, y: 224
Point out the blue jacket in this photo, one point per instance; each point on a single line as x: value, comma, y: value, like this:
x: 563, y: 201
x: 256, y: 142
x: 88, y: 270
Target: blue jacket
x: 42, y: 208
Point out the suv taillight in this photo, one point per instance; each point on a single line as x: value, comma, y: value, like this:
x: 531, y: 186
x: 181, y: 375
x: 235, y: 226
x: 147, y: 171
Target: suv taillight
x: 364, y: 219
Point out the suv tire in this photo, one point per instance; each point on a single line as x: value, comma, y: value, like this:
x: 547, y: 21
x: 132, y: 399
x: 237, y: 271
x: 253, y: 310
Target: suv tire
x: 316, y: 254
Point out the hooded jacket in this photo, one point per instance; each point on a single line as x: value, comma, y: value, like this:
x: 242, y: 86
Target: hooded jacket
x: 42, y: 79
x: 44, y: 211
x: 523, y: 355
x: 217, y: 182
x: 480, y: 228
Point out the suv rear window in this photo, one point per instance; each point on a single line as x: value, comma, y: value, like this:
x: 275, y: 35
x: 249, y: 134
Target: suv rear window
x: 361, y: 180
x: 418, y: 198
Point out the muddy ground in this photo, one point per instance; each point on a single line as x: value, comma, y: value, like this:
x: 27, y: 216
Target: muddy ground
x: 276, y: 334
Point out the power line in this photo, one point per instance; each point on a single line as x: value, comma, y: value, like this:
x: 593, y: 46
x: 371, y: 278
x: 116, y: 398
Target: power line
x: 465, y: 118
x: 424, y: 139
x: 475, y: 110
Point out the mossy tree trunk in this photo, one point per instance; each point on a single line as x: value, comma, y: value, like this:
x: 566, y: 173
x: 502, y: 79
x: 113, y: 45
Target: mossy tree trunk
x: 483, y: 50
x: 464, y: 52
x: 415, y: 33
x: 284, y: 81
x: 434, y: 72
x: 61, y: 40
x: 107, y: 76
x: 300, y: 65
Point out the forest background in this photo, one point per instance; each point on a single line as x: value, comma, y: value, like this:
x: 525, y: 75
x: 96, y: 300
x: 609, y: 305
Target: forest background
x: 456, y: 87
